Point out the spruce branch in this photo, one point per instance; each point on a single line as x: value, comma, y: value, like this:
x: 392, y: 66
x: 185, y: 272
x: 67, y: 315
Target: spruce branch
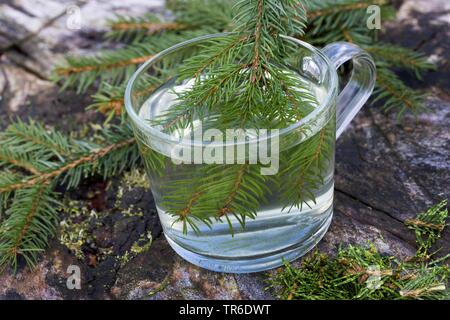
x: 306, y: 168
x: 428, y: 226
x: 131, y: 29
x: 357, y: 35
x: 33, y: 137
x: 211, y: 16
x: 329, y: 21
x: 149, y: 26
x: 395, y: 94
x: 429, y: 283
x: 232, y: 194
x: 399, y: 57
x: 10, y: 158
x: 30, y: 204
x: 361, y: 272
x: 113, y: 66
x: 74, y: 169
x: 194, y: 14
x: 239, y: 190
x: 342, y: 14
x: 31, y: 221
x: 86, y: 159
x: 7, y: 179
x: 317, y: 9
x: 109, y: 98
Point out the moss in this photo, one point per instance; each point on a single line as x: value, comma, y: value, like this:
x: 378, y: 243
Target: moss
x: 75, y: 228
x: 79, y: 225
x: 163, y: 285
x: 142, y: 245
x: 133, y: 179
x: 124, y: 259
x: 132, y: 211
x: 136, y: 178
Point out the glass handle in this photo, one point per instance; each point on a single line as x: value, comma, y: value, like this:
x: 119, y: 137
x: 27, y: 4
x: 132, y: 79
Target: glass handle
x: 361, y: 83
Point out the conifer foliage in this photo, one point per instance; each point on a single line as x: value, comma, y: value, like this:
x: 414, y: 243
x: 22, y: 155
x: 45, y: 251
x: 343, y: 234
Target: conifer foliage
x: 239, y: 83
x: 35, y: 159
x: 362, y: 273
x: 327, y: 21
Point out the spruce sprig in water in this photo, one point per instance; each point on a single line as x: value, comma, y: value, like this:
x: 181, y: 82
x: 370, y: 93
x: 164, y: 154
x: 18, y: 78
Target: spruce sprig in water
x: 246, y: 63
x: 238, y: 80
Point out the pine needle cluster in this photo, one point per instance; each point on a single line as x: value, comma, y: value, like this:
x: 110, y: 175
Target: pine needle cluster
x: 34, y: 161
x: 362, y: 273
x: 328, y: 21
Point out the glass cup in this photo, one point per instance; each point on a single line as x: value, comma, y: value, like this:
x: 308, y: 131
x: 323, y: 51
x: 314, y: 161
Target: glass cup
x: 239, y: 216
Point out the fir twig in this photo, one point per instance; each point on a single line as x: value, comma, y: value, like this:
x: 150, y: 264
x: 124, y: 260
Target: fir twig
x: 113, y: 66
x: 85, y: 159
x: 329, y: 21
x: 31, y: 221
x: 359, y: 272
x: 395, y: 94
x: 428, y: 226
x: 31, y: 205
x: 320, y: 9
x: 399, y: 57
x: 134, y: 29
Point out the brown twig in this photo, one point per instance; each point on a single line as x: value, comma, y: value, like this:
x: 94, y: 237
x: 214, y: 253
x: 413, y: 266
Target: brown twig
x: 340, y: 8
x: 187, y: 210
x: 320, y: 145
x: 418, y: 292
x: 420, y: 223
x: 66, y: 71
x: 150, y: 27
x: 256, y: 57
x: 30, y: 215
x: 18, y: 163
x: 347, y: 35
x: 115, y: 105
x: 237, y: 184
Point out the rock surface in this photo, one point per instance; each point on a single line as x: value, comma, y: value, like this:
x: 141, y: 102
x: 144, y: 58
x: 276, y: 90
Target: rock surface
x: 386, y: 171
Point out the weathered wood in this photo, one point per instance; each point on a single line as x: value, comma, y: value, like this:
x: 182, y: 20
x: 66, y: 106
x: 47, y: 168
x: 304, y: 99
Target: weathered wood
x: 386, y: 172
